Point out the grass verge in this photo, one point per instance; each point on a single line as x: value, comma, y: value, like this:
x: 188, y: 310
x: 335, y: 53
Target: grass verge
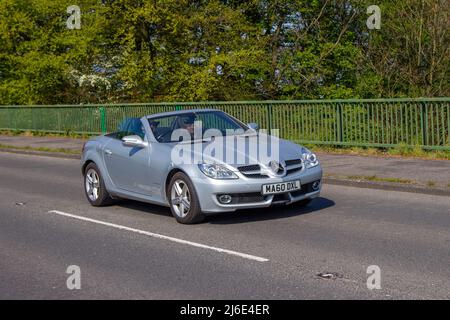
x: 56, y: 150
x: 67, y: 134
x: 380, y: 179
x: 401, y: 151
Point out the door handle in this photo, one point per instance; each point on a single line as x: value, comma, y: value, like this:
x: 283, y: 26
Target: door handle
x: 108, y: 152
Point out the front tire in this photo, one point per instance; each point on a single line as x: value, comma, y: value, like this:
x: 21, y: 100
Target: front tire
x: 94, y: 187
x: 183, y: 200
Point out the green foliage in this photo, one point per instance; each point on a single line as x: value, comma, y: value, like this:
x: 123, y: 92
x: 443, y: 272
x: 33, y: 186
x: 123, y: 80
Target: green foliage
x: 195, y: 50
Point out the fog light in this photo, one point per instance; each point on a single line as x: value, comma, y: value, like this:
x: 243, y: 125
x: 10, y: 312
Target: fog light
x: 315, y: 185
x: 225, y: 198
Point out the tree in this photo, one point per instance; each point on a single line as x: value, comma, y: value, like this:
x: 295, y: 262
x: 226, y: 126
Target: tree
x: 40, y: 58
x: 198, y: 50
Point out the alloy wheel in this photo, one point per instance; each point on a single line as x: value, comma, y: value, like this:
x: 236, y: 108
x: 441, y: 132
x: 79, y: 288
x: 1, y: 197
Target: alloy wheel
x: 180, y: 198
x: 92, y: 184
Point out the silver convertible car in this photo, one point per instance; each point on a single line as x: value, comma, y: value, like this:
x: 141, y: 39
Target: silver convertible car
x: 198, y: 162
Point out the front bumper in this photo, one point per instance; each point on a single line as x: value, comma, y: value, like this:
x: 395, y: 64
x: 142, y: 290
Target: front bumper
x: 247, y: 191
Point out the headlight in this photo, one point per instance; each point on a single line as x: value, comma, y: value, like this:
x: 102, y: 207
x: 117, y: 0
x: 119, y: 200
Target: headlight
x: 309, y: 158
x: 216, y: 171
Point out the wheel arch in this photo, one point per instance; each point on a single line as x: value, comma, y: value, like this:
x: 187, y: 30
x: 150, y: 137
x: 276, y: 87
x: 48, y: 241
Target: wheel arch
x: 92, y: 157
x: 85, y: 164
x: 169, y: 177
x: 195, y: 216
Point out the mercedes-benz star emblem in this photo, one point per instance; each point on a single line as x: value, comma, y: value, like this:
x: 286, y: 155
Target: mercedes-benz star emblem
x: 275, y: 166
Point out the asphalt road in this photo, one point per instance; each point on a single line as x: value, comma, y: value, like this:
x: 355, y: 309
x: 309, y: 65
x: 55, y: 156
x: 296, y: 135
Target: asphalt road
x: 121, y: 257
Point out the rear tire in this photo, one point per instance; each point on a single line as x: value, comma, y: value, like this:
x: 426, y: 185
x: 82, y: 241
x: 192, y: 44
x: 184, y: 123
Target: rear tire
x: 183, y: 200
x: 94, y: 187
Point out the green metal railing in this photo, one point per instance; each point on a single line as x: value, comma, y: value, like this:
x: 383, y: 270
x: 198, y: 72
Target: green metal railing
x: 375, y: 123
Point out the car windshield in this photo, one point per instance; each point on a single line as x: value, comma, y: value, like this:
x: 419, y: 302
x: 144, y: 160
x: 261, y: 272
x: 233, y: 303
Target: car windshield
x: 163, y: 127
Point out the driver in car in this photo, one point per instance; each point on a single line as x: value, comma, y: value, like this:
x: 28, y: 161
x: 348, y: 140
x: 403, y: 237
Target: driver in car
x: 187, y: 122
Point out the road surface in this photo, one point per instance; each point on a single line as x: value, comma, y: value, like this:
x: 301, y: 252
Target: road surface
x: 138, y: 251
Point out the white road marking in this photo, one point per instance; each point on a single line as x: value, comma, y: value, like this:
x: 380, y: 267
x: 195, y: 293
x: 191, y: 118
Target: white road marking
x: 160, y: 236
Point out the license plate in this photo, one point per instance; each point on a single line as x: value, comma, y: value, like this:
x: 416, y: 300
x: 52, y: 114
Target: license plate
x: 281, y: 187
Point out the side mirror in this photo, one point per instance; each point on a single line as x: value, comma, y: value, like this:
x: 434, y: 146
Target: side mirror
x: 134, y: 141
x: 253, y: 126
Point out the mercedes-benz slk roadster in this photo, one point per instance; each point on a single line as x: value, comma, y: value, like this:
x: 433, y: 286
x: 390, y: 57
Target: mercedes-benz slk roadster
x: 198, y: 162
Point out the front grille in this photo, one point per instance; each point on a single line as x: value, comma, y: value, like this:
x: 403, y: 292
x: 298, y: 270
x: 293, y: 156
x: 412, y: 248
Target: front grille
x: 293, y: 162
x: 251, y: 167
x: 293, y: 166
x: 252, y: 171
x: 280, y: 198
x: 255, y: 175
x: 255, y: 197
x: 239, y: 198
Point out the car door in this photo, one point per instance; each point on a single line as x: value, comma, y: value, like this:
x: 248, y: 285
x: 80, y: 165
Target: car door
x: 128, y: 167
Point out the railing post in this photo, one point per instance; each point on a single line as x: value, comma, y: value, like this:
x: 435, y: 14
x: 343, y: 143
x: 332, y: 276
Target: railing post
x: 103, y: 119
x: 59, y: 126
x: 340, y: 122
x: 10, y: 122
x: 269, y: 117
x: 448, y: 123
x: 15, y: 119
x: 424, y: 116
x: 33, y: 120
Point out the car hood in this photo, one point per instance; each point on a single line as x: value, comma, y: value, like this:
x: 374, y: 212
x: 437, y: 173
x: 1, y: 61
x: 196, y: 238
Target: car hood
x: 239, y: 150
